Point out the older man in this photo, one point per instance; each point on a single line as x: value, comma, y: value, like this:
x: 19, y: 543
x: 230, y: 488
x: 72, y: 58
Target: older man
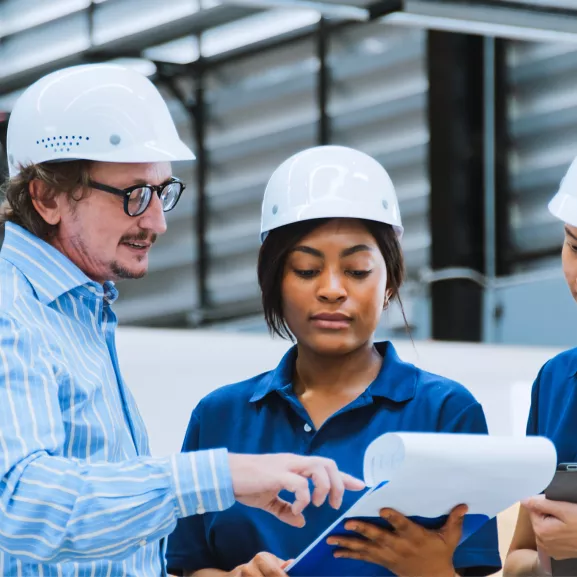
x: 89, y: 153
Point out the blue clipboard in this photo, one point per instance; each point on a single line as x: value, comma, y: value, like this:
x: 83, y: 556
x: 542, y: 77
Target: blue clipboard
x: 320, y: 562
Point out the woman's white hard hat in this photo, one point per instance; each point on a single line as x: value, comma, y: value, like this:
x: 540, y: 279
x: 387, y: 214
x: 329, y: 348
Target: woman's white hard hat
x: 329, y: 182
x: 101, y: 112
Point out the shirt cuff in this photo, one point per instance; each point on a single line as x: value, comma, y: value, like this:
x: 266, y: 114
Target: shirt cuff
x: 202, y: 482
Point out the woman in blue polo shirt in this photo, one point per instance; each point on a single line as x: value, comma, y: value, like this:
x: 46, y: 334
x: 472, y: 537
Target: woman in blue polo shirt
x: 329, y: 264
x: 548, y: 529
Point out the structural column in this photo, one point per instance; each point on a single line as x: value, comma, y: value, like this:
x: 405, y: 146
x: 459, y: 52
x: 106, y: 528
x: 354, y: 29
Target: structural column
x: 455, y: 69
x: 323, y: 83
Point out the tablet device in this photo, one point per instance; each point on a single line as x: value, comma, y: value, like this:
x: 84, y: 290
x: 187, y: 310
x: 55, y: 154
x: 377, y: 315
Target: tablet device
x: 563, y: 487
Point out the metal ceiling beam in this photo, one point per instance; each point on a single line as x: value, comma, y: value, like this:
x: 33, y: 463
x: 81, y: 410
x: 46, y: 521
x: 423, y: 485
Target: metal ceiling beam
x: 513, y: 19
x: 132, y: 44
x: 500, y: 19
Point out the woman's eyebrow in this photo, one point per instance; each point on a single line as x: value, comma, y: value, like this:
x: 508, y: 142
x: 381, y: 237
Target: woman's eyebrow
x: 355, y: 249
x: 309, y: 250
x: 344, y: 253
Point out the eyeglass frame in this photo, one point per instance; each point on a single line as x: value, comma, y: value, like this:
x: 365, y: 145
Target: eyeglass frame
x: 126, y: 192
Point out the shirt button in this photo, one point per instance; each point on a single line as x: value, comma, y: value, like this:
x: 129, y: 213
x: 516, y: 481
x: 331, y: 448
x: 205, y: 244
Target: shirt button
x: 200, y: 510
x: 143, y: 543
x: 308, y: 428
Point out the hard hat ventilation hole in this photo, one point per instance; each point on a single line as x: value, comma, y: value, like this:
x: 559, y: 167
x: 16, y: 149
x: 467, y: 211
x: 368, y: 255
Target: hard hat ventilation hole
x: 63, y: 146
x: 275, y: 209
x: 385, y: 204
x: 114, y: 139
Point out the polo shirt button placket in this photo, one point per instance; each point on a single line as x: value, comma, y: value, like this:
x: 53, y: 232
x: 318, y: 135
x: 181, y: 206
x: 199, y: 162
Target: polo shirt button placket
x: 309, y: 433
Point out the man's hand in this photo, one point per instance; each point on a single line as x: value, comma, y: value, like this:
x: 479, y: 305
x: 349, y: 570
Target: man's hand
x: 410, y: 550
x: 261, y: 565
x: 258, y: 479
x: 555, y: 526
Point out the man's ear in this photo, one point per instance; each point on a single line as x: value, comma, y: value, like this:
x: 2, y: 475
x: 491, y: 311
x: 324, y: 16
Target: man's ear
x: 46, y: 204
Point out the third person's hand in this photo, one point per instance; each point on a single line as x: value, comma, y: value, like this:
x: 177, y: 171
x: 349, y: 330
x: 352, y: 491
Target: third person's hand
x: 555, y: 526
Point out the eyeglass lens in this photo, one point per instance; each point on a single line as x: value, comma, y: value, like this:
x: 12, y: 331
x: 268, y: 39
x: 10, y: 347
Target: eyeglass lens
x: 139, y: 198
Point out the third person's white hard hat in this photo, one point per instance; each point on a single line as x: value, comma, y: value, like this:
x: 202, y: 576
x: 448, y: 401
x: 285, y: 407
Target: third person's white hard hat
x: 564, y: 204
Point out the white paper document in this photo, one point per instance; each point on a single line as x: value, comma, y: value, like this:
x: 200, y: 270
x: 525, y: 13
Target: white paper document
x: 426, y: 475
x: 430, y: 473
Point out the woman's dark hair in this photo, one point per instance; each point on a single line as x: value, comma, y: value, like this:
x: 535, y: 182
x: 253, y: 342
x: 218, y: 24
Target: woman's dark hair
x: 280, y: 241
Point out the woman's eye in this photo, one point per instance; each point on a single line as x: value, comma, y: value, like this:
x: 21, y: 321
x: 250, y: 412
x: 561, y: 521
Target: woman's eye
x: 305, y: 273
x: 359, y: 274
x: 572, y: 247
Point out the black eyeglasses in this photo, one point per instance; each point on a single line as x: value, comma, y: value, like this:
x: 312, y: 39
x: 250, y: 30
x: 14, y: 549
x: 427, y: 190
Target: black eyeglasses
x: 138, y: 197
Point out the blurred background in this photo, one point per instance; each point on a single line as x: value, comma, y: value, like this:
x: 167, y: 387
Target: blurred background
x: 470, y: 105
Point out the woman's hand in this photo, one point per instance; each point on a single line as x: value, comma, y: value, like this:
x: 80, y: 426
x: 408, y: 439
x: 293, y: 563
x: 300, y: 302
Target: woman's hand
x: 409, y: 551
x: 262, y: 565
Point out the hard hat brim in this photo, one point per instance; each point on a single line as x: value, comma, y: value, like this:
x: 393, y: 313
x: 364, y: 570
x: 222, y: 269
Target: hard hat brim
x: 333, y: 209
x: 145, y: 153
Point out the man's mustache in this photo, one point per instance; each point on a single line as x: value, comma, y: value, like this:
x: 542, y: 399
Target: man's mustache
x: 141, y: 236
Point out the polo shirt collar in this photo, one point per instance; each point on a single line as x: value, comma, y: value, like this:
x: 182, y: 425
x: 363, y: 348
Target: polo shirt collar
x: 396, y: 381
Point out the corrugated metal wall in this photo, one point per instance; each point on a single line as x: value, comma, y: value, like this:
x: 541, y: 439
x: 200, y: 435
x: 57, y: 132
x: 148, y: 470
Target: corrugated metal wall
x: 543, y: 130
x: 261, y: 110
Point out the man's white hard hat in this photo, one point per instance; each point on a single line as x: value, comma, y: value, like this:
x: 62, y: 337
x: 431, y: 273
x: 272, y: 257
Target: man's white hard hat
x: 102, y: 112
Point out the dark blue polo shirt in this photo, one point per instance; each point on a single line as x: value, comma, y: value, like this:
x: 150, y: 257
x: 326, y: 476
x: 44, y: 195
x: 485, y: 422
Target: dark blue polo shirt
x: 262, y: 415
x: 553, y: 412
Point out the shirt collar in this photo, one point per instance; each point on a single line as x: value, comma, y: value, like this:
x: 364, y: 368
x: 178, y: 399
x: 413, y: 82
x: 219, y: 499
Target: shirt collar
x: 50, y: 273
x: 396, y: 381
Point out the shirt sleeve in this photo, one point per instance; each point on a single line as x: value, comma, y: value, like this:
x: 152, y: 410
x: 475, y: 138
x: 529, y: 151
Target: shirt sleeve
x: 479, y: 554
x: 55, y: 509
x: 533, y: 418
x: 188, y: 547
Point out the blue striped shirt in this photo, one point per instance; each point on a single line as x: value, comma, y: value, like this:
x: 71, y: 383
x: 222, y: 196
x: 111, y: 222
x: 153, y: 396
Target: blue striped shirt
x: 80, y: 494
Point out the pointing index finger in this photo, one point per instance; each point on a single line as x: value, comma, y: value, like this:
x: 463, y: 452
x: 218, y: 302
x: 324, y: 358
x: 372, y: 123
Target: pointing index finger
x: 352, y: 483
